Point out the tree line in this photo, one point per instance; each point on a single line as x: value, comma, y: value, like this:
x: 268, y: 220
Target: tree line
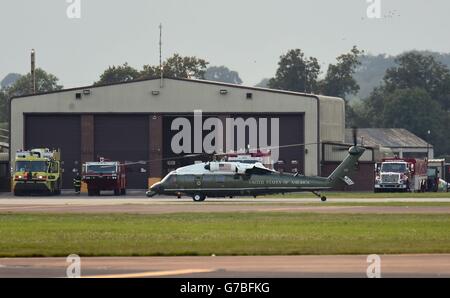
x: 414, y: 93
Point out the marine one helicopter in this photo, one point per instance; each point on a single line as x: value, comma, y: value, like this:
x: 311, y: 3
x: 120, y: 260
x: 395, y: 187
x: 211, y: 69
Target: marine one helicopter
x: 228, y: 179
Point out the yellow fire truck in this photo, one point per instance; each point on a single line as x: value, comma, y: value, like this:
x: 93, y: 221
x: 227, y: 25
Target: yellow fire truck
x: 37, y: 171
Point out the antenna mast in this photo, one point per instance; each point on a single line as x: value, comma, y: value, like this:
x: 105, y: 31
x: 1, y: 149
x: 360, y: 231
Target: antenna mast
x: 161, y: 68
x: 33, y: 71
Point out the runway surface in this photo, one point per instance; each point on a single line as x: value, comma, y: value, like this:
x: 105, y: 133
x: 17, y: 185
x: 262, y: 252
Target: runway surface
x: 138, y: 205
x: 231, y: 267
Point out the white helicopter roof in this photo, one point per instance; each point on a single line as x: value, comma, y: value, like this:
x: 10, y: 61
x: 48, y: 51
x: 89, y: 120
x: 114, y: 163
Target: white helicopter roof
x: 101, y: 163
x: 222, y: 167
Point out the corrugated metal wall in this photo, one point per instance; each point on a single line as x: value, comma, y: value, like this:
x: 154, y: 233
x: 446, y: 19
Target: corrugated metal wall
x: 332, y: 119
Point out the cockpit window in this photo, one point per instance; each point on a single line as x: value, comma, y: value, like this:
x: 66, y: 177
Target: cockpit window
x: 171, y: 178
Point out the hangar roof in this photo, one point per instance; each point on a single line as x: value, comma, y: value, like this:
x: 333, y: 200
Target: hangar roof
x: 387, y: 137
x: 186, y: 80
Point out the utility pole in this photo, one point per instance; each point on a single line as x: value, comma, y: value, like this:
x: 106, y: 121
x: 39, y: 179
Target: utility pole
x: 33, y: 71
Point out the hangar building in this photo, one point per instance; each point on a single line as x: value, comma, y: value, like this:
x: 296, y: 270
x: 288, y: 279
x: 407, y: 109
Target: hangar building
x: 139, y: 122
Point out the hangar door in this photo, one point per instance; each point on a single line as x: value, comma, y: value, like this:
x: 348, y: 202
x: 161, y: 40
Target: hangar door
x: 124, y: 138
x: 291, y: 136
x: 53, y: 132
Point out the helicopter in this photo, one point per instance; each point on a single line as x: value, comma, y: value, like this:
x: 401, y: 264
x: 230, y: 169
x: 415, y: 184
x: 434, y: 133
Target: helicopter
x: 230, y: 178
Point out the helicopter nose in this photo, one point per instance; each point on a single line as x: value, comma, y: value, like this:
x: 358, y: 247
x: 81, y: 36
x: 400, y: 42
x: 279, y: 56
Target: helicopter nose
x: 157, y: 187
x: 154, y: 189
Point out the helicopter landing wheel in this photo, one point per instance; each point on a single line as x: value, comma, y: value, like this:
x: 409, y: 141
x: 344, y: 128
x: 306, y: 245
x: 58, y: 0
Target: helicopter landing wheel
x: 322, y: 198
x: 198, y: 197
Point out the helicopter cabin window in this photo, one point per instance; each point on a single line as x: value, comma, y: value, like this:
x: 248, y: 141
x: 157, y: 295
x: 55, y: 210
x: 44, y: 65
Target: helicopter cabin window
x: 186, y: 179
x: 208, y: 179
x: 279, y: 166
x: 220, y: 179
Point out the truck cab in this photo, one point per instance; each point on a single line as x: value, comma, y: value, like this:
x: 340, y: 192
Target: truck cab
x: 104, y: 176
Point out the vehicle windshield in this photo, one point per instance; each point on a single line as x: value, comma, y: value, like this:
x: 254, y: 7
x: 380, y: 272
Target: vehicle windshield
x: 101, y: 169
x: 31, y: 166
x: 393, y: 167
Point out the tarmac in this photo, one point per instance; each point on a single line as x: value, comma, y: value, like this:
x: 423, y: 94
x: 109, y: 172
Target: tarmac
x: 231, y: 266
x: 135, y: 204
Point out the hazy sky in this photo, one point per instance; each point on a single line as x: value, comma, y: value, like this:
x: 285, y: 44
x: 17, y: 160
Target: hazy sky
x: 245, y: 35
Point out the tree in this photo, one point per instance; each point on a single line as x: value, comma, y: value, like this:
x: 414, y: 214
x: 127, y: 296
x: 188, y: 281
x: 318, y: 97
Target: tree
x: 369, y: 113
x: 296, y: 73
x: 222, y: 74
x: 415, y: 70
x: 3, y: 106
x: 264, y: 83
x: 339, y: 79
x: 414, y: 96
x: 177, y: 67
x: 45, y: 82
x: 150, y: 72
x: 415, y: 110
x: 118, y: 74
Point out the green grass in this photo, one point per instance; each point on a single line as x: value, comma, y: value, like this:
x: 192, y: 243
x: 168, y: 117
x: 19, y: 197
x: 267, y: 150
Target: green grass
x: 222, y: 234
x: 366, y: 195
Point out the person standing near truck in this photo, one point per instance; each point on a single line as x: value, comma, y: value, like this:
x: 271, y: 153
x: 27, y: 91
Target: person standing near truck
x: 77, y: 183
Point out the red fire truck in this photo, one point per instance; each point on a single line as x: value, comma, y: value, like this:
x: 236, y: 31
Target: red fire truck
x: 104, y: 175
x: 401, y: 174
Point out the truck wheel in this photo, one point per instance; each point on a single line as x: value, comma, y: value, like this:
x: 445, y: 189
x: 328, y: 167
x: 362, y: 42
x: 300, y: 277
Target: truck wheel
x: 198, y: 197
x: 57, y: 192
x: 57, y: 186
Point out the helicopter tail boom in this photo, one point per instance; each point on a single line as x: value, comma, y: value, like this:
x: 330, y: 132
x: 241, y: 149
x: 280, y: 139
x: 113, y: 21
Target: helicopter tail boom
x: 347, y: 167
